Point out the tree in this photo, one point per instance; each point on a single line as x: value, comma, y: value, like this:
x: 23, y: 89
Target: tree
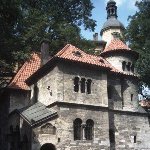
x: 24, y: 23
x: 138, y: 35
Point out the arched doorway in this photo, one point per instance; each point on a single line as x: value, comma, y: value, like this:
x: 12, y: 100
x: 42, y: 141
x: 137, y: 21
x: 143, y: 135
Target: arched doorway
x: 48, y: 146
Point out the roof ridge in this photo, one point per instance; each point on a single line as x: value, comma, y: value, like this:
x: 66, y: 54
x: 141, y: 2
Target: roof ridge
x: 62, y: 50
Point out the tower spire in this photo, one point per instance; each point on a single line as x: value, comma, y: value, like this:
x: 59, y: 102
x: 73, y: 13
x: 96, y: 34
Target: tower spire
x: 111, y: 9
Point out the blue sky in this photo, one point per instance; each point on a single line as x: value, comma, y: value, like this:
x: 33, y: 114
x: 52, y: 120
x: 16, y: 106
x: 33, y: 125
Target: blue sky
x: 125, y: 9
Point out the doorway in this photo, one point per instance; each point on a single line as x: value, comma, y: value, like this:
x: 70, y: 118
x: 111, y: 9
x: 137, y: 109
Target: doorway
x: 48, y: 146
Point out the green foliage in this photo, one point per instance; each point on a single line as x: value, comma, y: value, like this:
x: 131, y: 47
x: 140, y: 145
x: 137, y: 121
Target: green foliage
x: 24, y: 23
x: 138, y: 35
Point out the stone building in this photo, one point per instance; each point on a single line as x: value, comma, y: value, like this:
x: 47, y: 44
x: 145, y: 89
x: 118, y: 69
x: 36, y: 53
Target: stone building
x: 77, y: 101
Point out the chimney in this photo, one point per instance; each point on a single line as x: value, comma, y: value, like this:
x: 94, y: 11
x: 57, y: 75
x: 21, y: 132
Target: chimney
x: 45, y: 51
x: 95, y: 36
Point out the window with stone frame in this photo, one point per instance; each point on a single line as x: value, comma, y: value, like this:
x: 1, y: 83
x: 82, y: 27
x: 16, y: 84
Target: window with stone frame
x: 83, y: 85
x: 76, y: 84
x: 89, y: 81
x: 89, y: 130
x: 77, y: 129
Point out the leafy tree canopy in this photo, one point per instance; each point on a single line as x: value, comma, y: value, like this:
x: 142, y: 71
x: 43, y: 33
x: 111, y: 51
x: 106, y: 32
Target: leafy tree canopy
x: 138, y: 34
x: 24, y: 23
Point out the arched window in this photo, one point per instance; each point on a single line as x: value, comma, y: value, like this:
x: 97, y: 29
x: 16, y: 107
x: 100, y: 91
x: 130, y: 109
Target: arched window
x: 89, y: 130
x: 128, y: 66
x: 89, y: 81
x: 76, y: 84
x: 77, y: 129
x: 83, y: 85
x: 132, y: 68
x: 123, y: 65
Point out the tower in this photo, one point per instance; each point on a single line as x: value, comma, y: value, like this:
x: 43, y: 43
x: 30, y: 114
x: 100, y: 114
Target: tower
x: 112, y: 27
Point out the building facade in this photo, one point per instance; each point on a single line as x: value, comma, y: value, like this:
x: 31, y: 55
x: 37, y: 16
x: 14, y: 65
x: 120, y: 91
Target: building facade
x: 78, y: 101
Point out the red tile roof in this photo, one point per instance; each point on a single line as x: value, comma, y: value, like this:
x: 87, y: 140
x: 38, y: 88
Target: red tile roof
x: 145, y: 103
x: 116, y: 44
x: 25, y: 72
x: 70, y: 52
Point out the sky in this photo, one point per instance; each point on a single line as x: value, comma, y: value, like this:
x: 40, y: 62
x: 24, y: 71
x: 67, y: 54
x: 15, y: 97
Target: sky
x: 125, y: 9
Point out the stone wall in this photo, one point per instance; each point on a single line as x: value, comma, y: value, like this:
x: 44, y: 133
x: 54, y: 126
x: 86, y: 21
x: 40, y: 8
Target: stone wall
x: 130, y: 94
x: 65, y: 86
x: 47, y: 87
x: 116, y: 60
x: 114, y: 87
x: 64, y: 137
x: 132, y: 131
x: 19, y: 99
x: 21, y: 136
x: 58, y: 85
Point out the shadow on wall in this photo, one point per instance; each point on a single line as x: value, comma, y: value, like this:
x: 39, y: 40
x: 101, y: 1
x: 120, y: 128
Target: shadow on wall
x: 111, y: 127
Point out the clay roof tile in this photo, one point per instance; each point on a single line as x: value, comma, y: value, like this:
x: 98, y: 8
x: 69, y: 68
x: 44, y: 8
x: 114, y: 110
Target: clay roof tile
x: 28, y: 68
x: 116, y: 44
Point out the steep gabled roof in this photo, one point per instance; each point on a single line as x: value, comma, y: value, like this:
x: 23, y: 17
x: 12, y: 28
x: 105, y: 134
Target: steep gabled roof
x: 116, y: 44
x: 72, y: 53
x: 28, y: 68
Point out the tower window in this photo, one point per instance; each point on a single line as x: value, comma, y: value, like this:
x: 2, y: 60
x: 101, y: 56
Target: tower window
x: 89, y: 81
x: 132, y: 68
x: 76, y: 84
x: 123, y: 65
x: 128, y: 66
x: 89, y: 130
x: 77, y: 129
x: 83, y: 85
x: 116, y: 35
